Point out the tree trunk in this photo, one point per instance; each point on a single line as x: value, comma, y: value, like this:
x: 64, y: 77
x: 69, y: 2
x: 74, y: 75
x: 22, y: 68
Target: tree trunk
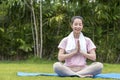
x: 33, y: 34
x: 41, y: 39
x: 36, y: 30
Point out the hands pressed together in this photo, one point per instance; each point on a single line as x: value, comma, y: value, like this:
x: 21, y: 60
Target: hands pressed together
x: 91, y: 55
x: 77, y: 49
x: 62, y: 56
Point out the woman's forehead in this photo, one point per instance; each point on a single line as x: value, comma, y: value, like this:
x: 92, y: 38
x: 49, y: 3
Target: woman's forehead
x: 77, y: 20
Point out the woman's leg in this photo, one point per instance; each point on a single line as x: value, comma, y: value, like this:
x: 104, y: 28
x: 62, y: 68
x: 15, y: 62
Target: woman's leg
x: 93, y: 69
x: 62, y: 70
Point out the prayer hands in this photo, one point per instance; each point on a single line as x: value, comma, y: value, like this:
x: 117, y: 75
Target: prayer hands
x: 78, y: 46
x: 77, y: 49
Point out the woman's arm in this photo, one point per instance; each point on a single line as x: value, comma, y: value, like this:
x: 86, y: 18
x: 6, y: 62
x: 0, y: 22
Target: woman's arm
x: 62, y: 56
x: 91, y: 55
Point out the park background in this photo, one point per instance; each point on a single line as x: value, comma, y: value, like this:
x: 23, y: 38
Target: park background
x: 34, y: 28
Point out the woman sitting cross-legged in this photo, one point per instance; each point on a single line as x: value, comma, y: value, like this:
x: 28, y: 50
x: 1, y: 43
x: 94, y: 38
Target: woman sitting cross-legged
x: 74, y: 50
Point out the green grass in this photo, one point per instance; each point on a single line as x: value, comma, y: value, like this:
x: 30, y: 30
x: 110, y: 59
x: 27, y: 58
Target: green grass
x: 9, y: 69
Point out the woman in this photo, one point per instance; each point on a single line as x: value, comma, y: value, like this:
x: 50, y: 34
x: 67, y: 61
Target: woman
x: 74, y: 50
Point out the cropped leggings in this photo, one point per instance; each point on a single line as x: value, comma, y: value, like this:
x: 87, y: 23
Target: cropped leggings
x: 92, y: 69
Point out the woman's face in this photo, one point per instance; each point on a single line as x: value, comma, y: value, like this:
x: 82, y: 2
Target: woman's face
x: 77, y: 26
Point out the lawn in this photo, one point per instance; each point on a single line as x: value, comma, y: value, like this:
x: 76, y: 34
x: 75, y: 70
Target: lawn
x: 8, y: 70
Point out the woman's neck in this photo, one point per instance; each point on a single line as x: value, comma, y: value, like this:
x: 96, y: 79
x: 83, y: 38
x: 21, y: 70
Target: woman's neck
x: 76, y: 35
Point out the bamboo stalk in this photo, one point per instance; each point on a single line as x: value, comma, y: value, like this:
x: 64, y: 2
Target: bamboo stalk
x: 41, y: 39
x: 36, y: 30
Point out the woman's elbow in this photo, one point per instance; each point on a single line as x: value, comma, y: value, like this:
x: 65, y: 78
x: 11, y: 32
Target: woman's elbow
x: 93, y: 58
x: 60, y: 59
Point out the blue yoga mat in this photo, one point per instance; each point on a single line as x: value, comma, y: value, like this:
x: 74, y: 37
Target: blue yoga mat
x: 35, y: 74
x: 107, y: 75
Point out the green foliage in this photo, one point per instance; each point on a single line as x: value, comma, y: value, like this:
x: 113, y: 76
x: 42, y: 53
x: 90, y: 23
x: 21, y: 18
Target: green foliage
x: 101, y: 24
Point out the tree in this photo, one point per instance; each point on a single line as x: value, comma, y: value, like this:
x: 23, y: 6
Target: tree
x: 41, y: 35
x: 36, y: 27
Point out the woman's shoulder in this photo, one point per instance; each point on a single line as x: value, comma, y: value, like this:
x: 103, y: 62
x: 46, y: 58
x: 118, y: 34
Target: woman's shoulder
x: 63, y: 43
x: 64, y: 39
x: 87, y: 38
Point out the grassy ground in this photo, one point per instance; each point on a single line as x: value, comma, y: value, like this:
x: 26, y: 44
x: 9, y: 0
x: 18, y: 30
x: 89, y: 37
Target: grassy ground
x: 8, y: 70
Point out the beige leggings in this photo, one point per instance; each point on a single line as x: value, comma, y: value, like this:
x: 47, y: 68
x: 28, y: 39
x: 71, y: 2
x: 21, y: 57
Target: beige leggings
x: 62, y: 70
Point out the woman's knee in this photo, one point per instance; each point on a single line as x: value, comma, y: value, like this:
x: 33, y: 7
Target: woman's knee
x: 99, y: 65
x: 57, y: 65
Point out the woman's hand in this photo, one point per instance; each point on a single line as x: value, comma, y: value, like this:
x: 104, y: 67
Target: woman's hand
x: 77, y: 49
x: 62, y: 55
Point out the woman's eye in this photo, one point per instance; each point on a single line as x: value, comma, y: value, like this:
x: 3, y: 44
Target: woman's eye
x: 80, y: 24
x: 76, y: 24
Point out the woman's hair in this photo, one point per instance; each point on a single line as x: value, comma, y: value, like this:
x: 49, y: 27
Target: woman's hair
x: 76, y: 17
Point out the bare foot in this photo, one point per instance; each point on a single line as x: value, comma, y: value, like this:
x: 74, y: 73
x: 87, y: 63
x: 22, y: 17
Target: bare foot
x: 85, y: 76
